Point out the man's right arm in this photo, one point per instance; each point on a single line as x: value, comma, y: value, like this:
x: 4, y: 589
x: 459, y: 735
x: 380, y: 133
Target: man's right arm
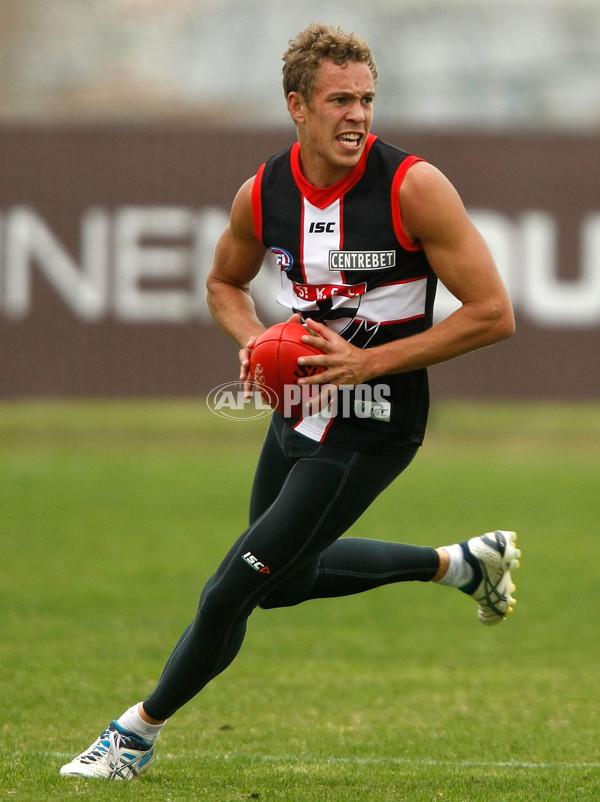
x: 238, y: 258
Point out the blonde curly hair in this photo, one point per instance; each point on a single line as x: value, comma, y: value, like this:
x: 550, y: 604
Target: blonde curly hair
x: 314, y: 44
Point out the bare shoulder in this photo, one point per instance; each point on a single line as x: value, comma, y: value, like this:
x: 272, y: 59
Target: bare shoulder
x: 429, y: 201
x: 239, y: 252
x: 242, y: 216
x: 424, y: 182
x: 244, y: 193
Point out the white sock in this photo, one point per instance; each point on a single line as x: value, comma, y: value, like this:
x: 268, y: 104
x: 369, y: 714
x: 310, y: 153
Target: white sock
x: 459, y: 572
x: 133, y: 722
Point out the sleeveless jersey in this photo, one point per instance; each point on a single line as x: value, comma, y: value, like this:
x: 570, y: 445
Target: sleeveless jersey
x: 346, y: 261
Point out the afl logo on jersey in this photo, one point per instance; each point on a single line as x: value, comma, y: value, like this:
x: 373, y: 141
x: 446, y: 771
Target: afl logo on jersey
x: 284, y: 258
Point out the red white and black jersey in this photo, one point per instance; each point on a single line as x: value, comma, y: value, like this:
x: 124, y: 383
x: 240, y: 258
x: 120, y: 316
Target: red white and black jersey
x: 346, y: 261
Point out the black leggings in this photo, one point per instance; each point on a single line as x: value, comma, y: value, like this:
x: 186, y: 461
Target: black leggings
x: 305, y: 496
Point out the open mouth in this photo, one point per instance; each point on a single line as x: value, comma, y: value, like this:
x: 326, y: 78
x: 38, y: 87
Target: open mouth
x: 350, y: 139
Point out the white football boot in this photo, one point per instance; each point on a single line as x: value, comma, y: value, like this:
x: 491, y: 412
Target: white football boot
x: 492, y: 557
x: 115, y: 755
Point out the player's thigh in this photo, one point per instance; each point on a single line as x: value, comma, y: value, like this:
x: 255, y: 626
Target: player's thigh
x: 321, y: 497
x: 327, y: 495
x: 366, y: 476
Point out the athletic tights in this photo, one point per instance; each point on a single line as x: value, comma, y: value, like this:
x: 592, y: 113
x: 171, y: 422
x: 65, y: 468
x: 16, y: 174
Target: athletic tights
x: 304, y: 497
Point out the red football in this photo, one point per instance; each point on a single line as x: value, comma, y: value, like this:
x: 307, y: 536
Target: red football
x: 274, y: 366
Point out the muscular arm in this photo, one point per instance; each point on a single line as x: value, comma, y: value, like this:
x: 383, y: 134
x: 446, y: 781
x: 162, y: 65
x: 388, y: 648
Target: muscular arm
x: 238, y: 258
x: 433, y: 214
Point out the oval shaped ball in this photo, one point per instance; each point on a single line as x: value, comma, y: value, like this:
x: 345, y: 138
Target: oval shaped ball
x: 274, y: 364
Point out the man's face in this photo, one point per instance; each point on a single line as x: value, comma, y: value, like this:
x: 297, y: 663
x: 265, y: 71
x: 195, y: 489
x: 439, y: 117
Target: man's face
x: 333, y: 125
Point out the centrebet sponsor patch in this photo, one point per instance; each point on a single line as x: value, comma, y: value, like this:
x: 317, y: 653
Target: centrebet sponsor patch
x: 361, y: 260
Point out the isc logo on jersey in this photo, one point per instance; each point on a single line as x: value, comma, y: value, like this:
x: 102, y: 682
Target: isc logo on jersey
x: 255, y: 563
x: 321, y: 227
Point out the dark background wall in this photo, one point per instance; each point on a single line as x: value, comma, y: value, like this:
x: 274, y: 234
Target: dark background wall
x: 106, y: 236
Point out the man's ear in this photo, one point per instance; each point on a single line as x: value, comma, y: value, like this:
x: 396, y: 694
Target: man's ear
x: 295, y: 105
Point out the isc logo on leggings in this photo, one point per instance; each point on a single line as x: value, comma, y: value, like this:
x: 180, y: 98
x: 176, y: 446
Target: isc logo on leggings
x: 256, y: 564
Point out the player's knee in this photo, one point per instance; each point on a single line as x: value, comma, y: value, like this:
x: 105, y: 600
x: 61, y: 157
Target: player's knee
x: 219, y: 605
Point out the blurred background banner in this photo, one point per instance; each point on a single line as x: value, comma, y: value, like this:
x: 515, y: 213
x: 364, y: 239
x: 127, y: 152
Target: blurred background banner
x: 126, y: 127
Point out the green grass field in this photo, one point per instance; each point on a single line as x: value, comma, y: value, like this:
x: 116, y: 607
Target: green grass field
x: 113, y: 515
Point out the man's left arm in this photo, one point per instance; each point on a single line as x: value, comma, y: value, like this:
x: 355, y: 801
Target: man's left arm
x: 432, y: 214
